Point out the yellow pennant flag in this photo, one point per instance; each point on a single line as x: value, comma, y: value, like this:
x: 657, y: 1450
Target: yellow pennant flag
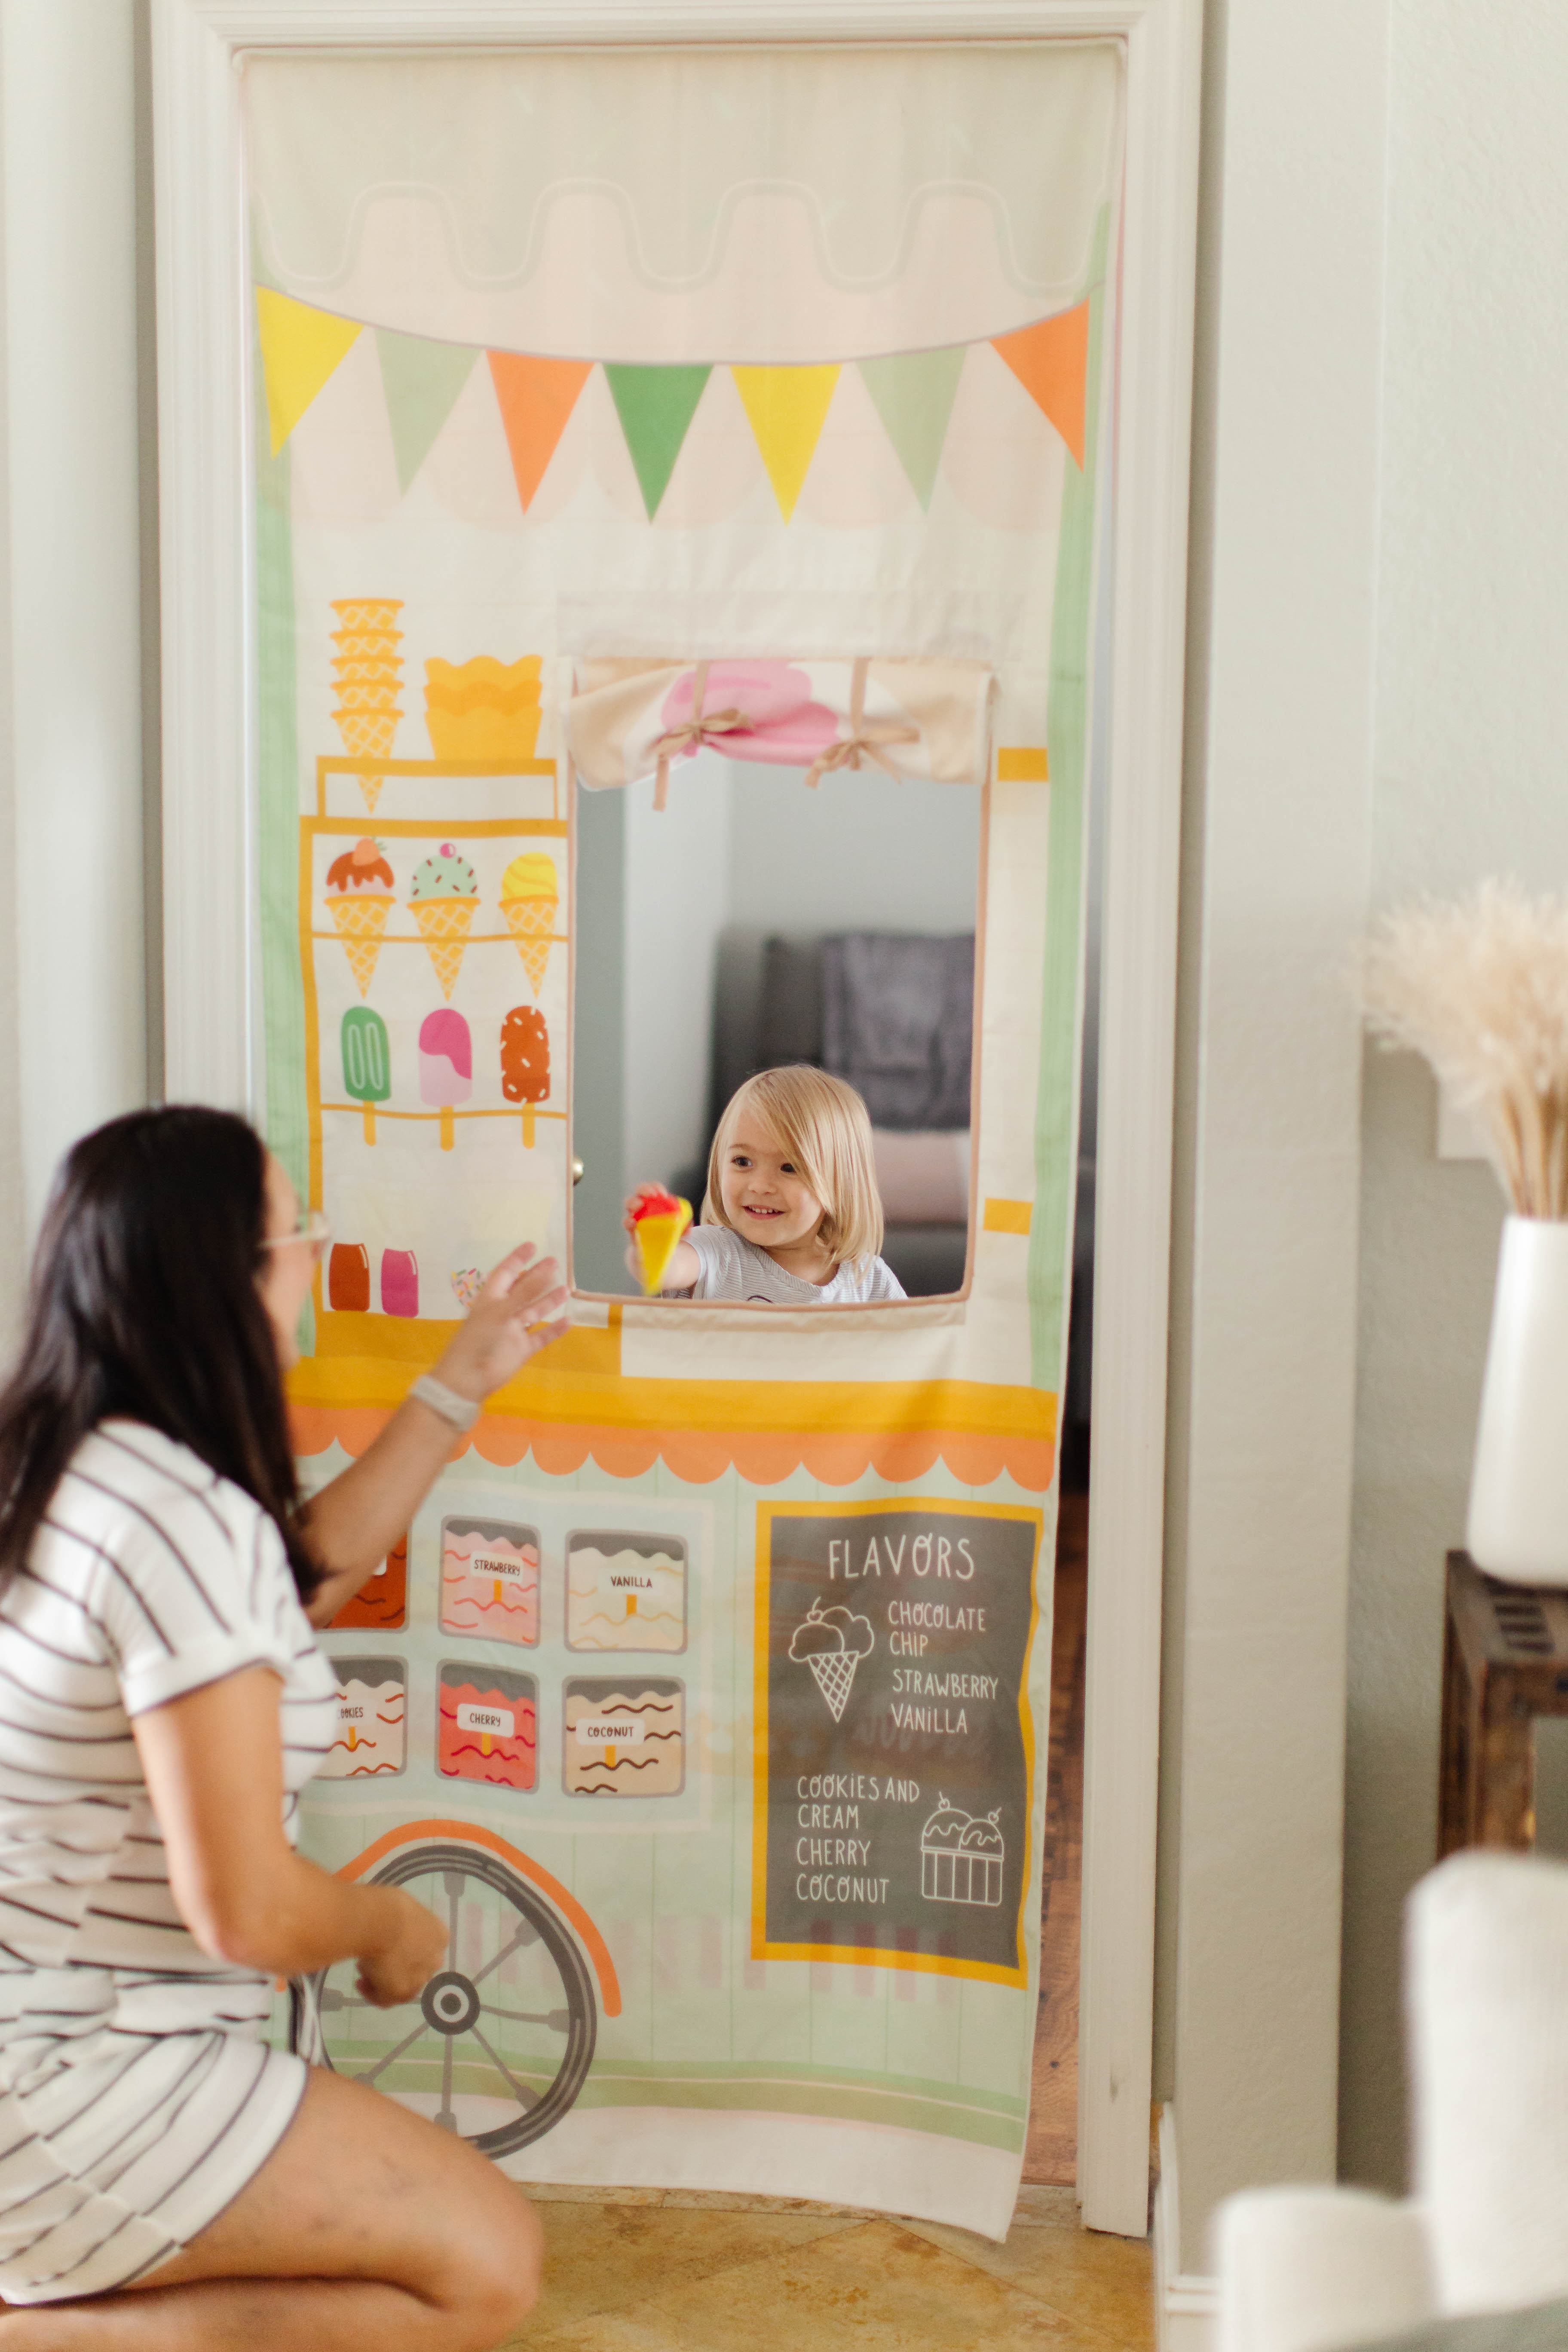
x: 786, y: 407
x: 300, y: 350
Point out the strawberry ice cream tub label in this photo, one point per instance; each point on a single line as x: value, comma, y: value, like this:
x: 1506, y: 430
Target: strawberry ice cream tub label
x: 489, y: 1580
x: 893, y: 1792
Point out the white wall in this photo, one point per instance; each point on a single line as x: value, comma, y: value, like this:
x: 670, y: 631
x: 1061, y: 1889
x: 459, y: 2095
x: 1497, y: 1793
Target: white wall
x: 1276, y: 853
x: 1472, y: 721
x: 71, y: 750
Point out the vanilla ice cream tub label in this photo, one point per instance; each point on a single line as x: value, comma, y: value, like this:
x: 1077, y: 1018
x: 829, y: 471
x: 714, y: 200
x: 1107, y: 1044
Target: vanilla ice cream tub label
x: 892, y: 1818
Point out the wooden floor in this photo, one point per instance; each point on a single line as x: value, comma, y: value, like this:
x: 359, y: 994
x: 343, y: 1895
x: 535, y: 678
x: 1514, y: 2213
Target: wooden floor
x: 1051, y: 2156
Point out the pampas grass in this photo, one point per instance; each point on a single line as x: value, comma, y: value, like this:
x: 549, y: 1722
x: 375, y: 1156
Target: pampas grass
x: 1480, y: 988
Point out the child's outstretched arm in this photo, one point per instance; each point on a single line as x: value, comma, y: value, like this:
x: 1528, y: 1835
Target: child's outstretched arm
x: 684, y: 1268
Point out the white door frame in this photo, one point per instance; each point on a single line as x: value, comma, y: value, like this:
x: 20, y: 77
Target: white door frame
x: 209, y: 733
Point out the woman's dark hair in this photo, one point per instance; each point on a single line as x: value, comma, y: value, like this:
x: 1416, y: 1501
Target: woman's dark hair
x: 144, y: 1304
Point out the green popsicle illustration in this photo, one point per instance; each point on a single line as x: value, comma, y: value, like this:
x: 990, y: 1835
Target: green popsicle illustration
x: 367, y: 1062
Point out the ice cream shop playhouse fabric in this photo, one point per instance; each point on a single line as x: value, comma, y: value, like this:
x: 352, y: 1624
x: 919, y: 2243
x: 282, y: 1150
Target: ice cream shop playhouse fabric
x: 608, y: 407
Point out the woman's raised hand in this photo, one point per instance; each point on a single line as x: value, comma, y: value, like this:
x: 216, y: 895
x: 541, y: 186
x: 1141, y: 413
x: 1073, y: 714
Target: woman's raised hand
x: 506, y: 1324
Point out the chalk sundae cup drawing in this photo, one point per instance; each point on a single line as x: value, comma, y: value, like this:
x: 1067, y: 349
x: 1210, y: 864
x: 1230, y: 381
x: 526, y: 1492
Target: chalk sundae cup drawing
x: 530, y: 894
x: 961, y: 1856
x: 369, y: 1740
x: 832, y: 1642
x: 442, y: 900
x: 360, y: 897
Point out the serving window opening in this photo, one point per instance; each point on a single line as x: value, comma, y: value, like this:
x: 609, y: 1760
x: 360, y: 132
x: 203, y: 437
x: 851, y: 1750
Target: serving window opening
x: 764, y: 916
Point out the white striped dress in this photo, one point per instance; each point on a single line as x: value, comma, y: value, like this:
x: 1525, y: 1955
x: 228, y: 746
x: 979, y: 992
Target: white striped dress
x: 136, y: 2096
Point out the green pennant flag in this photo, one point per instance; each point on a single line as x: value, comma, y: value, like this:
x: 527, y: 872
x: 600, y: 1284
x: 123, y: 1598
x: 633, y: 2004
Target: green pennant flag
x: 914, y: 393
x: 655, y: 406
x: 421, y: 380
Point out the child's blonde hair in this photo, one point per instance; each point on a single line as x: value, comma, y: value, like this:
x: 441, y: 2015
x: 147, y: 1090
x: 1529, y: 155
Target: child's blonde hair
x: 822, y: 1125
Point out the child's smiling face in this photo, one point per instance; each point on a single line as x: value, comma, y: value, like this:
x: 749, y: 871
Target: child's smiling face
x: 764, y: 1194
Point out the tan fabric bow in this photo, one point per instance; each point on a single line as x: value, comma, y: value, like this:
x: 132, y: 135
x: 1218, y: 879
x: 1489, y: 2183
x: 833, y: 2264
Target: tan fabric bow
x: 864, y: 737
x: 692, y: 733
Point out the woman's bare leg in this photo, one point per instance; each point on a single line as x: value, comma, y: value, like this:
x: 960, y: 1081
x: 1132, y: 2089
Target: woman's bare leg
x: 365, y: 2226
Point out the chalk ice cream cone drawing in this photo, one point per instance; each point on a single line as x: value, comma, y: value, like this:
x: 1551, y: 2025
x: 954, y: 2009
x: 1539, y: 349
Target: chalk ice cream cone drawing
x: 483, y: 709
x: 369, y: 1738
x: 445, y: 1066
x: 489, y: 1726
x: 660, y: 1220
x: 625, y: 1739
x: 442, y: 900
x: 832, y: 1642
x: 625, y: 1592
x: 369, y: 672
x: 367, y: 1061
x: 961, y: 1856
x: 530, y: 898
x: 360, y: 897
x: 489, y: 1580
x: 525, y: 1063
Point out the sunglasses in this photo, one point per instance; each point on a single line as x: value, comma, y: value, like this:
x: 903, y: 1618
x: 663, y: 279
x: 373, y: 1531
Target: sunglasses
x: 315, y: 1228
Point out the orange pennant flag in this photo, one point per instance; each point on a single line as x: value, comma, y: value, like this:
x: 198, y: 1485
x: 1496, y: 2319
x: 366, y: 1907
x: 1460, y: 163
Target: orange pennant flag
x: 536, y: 398
x: 1051, y: 361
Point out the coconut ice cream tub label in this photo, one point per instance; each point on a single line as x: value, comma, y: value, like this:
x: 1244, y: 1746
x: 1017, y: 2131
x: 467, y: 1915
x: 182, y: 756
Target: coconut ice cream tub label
x: 895, y: 1745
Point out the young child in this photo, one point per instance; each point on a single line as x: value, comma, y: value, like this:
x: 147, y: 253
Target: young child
x: 791, y: 1215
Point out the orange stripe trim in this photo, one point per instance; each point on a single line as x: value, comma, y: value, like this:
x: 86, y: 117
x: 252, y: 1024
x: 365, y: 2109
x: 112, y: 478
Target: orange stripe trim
x: 471, y: 1835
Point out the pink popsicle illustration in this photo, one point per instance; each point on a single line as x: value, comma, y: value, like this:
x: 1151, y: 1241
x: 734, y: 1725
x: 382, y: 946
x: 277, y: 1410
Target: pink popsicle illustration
x: 446, y: 1066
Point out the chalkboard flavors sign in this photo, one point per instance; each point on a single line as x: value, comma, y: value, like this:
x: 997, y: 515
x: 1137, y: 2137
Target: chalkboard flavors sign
x: 895, y: 1748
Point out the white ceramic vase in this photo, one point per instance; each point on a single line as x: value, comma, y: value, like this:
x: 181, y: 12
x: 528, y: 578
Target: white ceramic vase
x: 1519, y: 1489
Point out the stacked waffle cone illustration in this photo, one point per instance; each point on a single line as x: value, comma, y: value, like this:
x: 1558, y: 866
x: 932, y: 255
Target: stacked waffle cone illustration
x: 369, y: 673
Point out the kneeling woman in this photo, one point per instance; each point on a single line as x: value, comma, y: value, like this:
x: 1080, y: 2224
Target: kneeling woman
x: 166, y: 2179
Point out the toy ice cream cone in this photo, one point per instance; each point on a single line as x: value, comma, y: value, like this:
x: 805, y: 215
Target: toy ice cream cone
x: 358, y: 892
x: 443, y: 898
x: 659, y: 1222
x: 834, y: 1672
x: 529, y: 895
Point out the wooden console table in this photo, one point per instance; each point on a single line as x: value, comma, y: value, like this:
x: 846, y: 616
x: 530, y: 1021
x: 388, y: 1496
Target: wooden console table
x: 1505, y: 1662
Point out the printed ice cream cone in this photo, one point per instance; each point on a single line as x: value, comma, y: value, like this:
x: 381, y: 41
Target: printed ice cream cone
x: 360, y: 894
x: 529, y: 895
x: 442, y: 901
x: 660, y: 1220
x: 834, y: 1673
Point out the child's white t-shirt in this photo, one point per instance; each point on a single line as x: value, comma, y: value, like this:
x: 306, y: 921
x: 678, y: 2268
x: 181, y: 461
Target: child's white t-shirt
x: 733, y: 1268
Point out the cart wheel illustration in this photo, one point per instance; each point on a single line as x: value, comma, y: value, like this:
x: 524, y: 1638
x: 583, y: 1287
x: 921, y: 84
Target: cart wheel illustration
x: 513, y: 2007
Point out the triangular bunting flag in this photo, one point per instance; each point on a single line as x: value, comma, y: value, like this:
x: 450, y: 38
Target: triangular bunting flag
x: 1051, y: 361
x: 536, y: 397
x: 300, y: 348
x: 421, y: 380
x: 786, y: 407
x: 655, y: 406
x: 914, y: 394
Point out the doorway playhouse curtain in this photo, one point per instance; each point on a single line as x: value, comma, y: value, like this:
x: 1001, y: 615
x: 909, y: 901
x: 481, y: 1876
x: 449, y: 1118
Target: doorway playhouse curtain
x: 598, y: 393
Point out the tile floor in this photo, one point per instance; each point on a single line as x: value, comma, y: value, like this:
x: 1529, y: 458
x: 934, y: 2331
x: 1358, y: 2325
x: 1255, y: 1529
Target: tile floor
x: 677, y: 2271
